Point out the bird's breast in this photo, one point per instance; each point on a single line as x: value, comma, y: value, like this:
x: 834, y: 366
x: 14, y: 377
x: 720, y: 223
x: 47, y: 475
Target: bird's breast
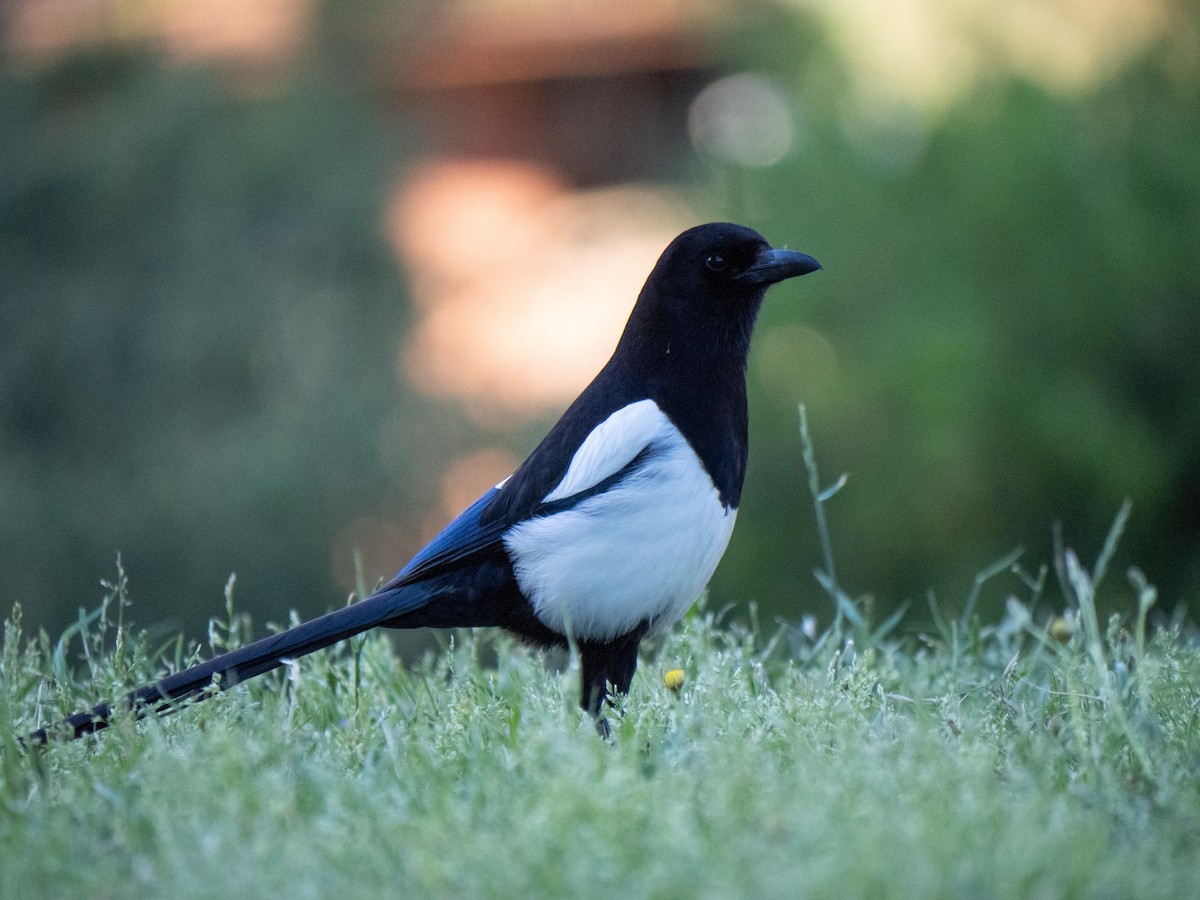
x: 640, y: 551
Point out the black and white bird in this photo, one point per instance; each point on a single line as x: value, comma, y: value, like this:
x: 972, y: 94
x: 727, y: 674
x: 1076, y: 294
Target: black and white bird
x: 611, y: 528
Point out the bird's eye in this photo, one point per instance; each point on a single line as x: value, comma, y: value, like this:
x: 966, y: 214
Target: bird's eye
x: 716, y: 262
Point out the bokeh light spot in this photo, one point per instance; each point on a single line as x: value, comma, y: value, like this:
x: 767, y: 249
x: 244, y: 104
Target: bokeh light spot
x: 522, y: 285
x: 743, y: 119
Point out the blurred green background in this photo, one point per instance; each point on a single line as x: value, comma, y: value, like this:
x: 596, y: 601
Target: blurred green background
x: 204, y: 304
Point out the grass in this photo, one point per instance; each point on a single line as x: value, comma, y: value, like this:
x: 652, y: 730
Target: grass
x: 967, y: 761
x: 1041, y: 756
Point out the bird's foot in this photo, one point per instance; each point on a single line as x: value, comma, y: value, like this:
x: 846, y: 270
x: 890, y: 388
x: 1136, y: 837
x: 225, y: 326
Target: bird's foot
x: 603, y: 729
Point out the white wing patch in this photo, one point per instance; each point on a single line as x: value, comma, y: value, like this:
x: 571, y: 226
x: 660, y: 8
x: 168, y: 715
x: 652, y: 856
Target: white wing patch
x: 610, y: 447
x: 641, y: 551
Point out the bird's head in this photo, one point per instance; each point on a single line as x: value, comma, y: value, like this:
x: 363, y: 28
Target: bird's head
x: 729, y: 261
x: 710, y: 282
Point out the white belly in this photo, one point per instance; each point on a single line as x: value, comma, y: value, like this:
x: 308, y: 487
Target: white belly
x: 639, y: 552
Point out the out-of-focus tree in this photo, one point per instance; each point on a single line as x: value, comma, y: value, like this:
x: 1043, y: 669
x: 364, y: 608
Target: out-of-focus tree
x: 1007, y: 331
x: 198, y: 316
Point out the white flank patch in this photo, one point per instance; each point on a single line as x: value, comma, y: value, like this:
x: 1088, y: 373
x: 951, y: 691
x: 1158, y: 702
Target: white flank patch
x: 643, y: 550
x: 610, y: 447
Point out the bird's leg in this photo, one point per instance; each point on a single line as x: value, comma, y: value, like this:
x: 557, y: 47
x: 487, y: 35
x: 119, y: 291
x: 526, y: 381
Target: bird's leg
x: 603, y: 664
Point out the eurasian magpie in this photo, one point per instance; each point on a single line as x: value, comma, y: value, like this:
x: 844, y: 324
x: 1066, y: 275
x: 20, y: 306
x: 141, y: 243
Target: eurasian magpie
x: 611, y: 528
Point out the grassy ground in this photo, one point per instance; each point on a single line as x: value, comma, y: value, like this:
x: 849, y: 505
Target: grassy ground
x: 1004, y: 761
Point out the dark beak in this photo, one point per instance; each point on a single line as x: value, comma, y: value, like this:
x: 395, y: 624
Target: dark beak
x: 773, y: 266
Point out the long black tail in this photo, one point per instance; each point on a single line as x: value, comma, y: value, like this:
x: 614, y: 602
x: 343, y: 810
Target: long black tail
x: 197, y: 683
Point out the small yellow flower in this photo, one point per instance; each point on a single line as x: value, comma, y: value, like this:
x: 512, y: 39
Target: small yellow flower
x: 1060, y: 629
x: 674, y: 680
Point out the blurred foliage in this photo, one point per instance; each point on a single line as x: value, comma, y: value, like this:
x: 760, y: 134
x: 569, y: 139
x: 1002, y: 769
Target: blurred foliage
x: 199, y: 318
x: 1011, y: 300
